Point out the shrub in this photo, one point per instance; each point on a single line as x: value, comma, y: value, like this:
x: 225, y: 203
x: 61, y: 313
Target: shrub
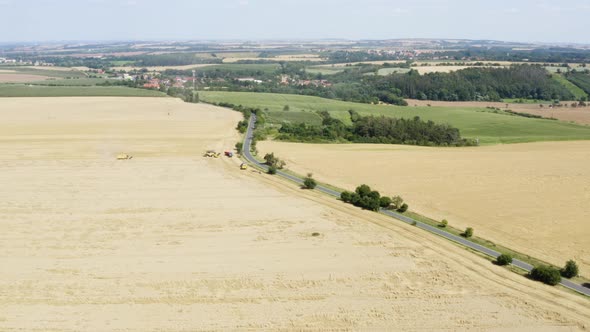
x: 384, y: 202
x: 570, y: 270
x: 315, y: 234
x: 444, y: 223
x: 309, y: 183
x: 239, y: 147
x: 504, y: 259
x: 272, y: 170
x: 546, y: 274
x: 403, y: 208
x: 468, y: 232
x: 242, y: 126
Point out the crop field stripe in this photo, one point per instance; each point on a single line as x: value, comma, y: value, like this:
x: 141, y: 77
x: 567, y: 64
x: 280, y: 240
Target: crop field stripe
x: 574, y: 89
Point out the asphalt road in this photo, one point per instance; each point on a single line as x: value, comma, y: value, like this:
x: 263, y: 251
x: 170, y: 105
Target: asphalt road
x: 458, y: 239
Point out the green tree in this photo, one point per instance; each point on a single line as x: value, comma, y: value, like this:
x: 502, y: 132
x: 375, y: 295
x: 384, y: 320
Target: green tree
x: 369, y: 203
x: 546, y: 274
x: 309, y: 182
x: 374, y: 195
x: 570, y: 270
x: 403, y: 208
x: 385, y: 202
x: 363, y: 190
x: 286, y: 108
x: 444, y: 223
x: 355, y: 198
x: 504, y: 259
x: 272, y: 170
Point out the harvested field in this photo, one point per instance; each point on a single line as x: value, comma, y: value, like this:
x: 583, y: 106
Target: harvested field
x: 231, y: 57
x: 172, y: 241
x: 37, y: 90
x: 579, y: 115
x: 467, y: 63
x: 18, y: 78
x: 74, y: 69
x: 377, y: 63
x: 162, y: 68
x: 439, y: 69
x: 529, y: 197
x: 234, y: 60
x: 42, y: 71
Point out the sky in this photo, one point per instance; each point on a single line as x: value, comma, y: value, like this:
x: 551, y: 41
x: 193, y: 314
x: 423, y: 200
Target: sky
x: 113, y: 20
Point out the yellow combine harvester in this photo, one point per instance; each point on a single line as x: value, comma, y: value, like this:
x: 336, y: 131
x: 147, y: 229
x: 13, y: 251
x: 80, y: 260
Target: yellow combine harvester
x: 123, y: 156
x: 212, y: 154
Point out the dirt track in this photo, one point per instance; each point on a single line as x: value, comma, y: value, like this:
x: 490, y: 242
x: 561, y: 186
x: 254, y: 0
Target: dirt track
x: 172, y: 241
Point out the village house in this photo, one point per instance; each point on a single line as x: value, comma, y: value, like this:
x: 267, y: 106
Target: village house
x: 316, y: 83
x: 249, y: 79
x: 152, y: 84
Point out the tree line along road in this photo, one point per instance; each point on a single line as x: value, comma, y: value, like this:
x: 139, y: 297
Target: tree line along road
x: 457, y: 239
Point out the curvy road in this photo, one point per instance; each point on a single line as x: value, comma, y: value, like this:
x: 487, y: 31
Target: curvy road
x: 458, y: 239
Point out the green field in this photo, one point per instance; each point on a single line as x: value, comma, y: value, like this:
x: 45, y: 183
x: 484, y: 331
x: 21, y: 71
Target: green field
x: 574, y: 89
x: 581, y: 80
x: 388, y: 71
x: 120, y: 63
x: 555, y: 69
x: 489, y: 127
x: 8, y: 90
x: 324, y: 70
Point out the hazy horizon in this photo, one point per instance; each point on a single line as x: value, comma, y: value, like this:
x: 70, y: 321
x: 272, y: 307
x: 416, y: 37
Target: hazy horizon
x: 526, y: 21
